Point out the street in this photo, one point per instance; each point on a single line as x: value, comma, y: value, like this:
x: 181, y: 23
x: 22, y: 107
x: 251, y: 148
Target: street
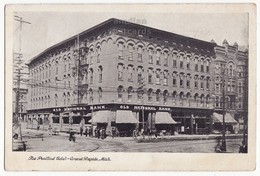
x: 40, y: 141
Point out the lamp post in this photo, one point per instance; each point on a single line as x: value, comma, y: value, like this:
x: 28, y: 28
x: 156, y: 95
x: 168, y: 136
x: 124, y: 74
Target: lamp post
x: 92, y: 125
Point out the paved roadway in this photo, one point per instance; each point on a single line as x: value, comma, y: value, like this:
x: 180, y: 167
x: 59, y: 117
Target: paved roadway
x: 39, y: 141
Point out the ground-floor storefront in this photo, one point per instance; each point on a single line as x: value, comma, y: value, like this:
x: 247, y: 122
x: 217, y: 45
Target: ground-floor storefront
x: 125, y: 118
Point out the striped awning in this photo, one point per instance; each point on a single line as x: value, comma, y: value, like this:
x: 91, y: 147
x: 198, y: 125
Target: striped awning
x: 218, y: 118
x: 164, y: 118
x: 125, y: 117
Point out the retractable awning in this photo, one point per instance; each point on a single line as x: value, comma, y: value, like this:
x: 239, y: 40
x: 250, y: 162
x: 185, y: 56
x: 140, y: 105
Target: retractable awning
x: 218, y: 118
x: 125, y: 117
x: 101, y: 117
x: 164, y: 118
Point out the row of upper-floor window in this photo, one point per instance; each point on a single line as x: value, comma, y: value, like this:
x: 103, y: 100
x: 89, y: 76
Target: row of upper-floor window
x: 159, y: 57
x: 229, y: 103
x: 162, y: 77
x: 165, y: 94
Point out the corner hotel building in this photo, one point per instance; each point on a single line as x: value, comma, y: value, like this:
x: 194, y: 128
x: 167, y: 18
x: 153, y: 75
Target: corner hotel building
x: 98, y: 75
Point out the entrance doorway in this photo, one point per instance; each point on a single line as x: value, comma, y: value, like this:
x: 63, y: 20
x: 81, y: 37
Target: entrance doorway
x: 144, y: 121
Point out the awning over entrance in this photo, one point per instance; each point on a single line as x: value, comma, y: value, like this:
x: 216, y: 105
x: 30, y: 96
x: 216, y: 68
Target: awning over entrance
x: 125, y: 117
x: 218, y: 118
x: 101, y: 117
x: 164, y: 118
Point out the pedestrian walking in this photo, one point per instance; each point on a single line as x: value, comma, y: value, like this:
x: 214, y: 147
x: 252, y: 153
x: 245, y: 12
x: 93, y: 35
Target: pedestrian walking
x: 148, y: 133
x: 142, y: 133
x: 50, y: 130
x: 135, y: 133
x: 71, y: 136
x: 82, y: 123
x: 113, y: 132
x: 87, y: 132
x: 98, y: 133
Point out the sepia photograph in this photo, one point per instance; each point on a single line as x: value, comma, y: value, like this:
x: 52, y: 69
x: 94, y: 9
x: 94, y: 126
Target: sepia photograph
x: 130, y: 82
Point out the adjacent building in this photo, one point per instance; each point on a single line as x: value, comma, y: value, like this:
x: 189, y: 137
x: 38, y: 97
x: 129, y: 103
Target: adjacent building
x: 132, y: 76
x: 231, y: 78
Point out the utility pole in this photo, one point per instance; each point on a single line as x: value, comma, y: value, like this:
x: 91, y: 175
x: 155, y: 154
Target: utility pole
x: 141, y: 90
x: 245, y: 105
x: 18, y: 67
x: 223, y: 146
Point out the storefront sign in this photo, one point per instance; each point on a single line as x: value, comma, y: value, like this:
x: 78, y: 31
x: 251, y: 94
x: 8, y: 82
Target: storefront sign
x: 98, y: 107
x: 57, y: 110
x: 164, y: 109
x: 148, y: 108
x: 124, y: 107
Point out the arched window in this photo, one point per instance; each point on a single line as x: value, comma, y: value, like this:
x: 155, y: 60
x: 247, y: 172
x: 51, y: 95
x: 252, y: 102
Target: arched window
x: 150, y: 55
x: 174, y: 57
x: 181, y: 79
x: 207, y: 100
x: 202, y: 100
x: 158, y: 57
x: 181, y: 60
x: 188, y: 62
x: 188, y: 95
x: 130, y: 72
x: 165, y: 96
x: 174, y: 96
x: 150, y: 95
x: 157, y: 76
x: 165, y: 77
x: 120, y: 71
x: 202, y: 82
x: 100, y: 94
x: 196, y: 63
x: 91, y: 75
x: 120, y: 93
x: 208, y: 83
x: 140, y: 53
x: 140, y: 75
x: 196, y: 99
x: 165, y: 58
x: 100, y: 70
x: 188, y: 81
x: 130, y: 93
x: 207, y: 66
x: 130, y: 50
x: 174, y: 79
x: 158, y: 95
x: 181, y: 98
x: 120, y: 50
x: 98, y: 53
x: 202, y: 65
x: 150, y: 75
x: 91, y: 98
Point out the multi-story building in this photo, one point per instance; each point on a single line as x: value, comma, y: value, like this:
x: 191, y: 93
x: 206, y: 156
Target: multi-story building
x: 125, y: 75
x: 231, y: 78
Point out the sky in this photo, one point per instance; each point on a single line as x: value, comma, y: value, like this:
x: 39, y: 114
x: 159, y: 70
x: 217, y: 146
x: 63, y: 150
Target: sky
x: 49, y: 28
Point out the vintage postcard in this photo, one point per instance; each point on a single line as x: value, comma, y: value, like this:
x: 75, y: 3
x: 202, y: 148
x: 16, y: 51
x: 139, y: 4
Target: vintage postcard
x: 130, y: 87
